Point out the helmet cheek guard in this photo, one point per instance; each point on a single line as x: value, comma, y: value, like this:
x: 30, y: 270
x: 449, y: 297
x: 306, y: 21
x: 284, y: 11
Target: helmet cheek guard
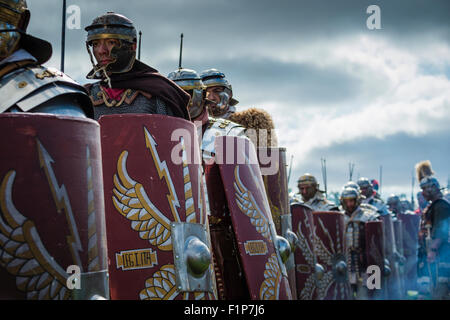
x: 190, y: 82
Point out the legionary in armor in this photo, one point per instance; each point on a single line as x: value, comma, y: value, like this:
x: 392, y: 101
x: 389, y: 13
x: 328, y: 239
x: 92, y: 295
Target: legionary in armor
x: 434, y: 239
x: 126, y: 84
x: 221, y: 104
x: 356, y: 217
x: 394, y: 204
x: 219, y: 93
x: 366, y: 188
x: 25, y: 85
x: 312, y: 196
x: 210, y: 126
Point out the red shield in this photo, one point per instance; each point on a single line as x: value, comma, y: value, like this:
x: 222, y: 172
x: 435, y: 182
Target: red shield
x: 398, y: 233
x: 393, y: 285
x: 411, y: 224
x: 230, y: 279
x: 153, y: 185
x: 272, y: 162
x: 330, y: 253
x: 250, y: 214
x: 375, y: 254
x: 51, y: 200
x: 304, y: 254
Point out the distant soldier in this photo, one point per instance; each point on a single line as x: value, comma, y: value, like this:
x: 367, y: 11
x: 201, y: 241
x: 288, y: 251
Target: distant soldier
x: 126, y: 85
x: 312, y: 196
x: 25, y: 85
x: 434, y: 236
x: 394, y: 204
x: 367, y: 191
x: 356, y: 218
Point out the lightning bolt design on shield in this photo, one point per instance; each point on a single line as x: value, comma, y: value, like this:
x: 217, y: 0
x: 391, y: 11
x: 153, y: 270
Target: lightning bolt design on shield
x: 163, y: 172
x: 62, y: 201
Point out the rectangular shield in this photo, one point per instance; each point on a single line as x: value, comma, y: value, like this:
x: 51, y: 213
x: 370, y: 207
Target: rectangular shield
x: 154, y: 202
x: 251, y: 218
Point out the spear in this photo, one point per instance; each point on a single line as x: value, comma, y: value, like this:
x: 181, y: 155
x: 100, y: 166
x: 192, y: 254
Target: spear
x: 63, y: 36
x: 351, y: 167
x: 181, y: 51
x: 290, y: 168
x: 140, y: 44
x: 381, y: 177
x: 324, y: 173
x: 412, y: 188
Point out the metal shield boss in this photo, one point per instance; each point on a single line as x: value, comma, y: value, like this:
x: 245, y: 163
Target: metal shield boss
x: 272, y: 162
x: 307, y: 270
x: 261, y: 250
x: 157, y: 230
x: 375, y: 256
x: 52, y: 228
x: 330, y: 253
x: 410, y: 228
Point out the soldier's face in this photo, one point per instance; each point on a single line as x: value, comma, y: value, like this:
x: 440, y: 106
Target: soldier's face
x: 366, y: 191
x: 350, y: 205
x: 213, y: 94
x: 102, y: 50
x: 307, y: 191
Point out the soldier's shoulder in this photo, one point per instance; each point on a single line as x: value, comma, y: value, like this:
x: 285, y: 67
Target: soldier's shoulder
x: 33, y: 85
x: 227, y: 127
x: 441, y: 204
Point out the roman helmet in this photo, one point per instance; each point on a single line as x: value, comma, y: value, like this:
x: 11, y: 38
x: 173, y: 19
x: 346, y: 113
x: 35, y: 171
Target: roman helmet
x: 350, y: 193
x: 351, y: 184
x: 394, y: 204
x: 365, y: 184
x: 112, y: 26
x: 191, y: 82
x: 215, y: 78
x: 14, y: 19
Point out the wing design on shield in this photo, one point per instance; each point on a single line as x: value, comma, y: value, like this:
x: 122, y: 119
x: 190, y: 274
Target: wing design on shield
x: 271, y: 286
x: 247, y: 203
x: 131, y: 200
x: 23, y: 254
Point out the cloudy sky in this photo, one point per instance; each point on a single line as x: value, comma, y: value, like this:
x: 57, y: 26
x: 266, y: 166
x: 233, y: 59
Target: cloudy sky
x: 335, y: 89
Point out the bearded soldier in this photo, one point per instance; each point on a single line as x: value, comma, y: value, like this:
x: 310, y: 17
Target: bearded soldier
x: 434, y: 237
x: 127, y: 85
x: 219, y: 93
x: 367, y: 191
x: 210, y: 126
x: 356, y: 217
x: 312, y: 196
x: 25, y: 85
x: 221, y: 104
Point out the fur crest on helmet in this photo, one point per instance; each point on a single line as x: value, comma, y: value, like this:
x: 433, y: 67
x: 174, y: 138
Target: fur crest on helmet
x: 423, y: 169
x: 257, y: 119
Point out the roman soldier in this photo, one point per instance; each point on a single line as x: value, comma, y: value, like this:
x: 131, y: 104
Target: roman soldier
x: 434, y: 240
x: 356, y: 219
x: 394, y: 205
x: 221, y: 104
x: 312, y: 196
x: 367, y: 191
x: 25, y: 85
x: 209, y: 126
x: 127, y: 85
x: 219, y: 93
